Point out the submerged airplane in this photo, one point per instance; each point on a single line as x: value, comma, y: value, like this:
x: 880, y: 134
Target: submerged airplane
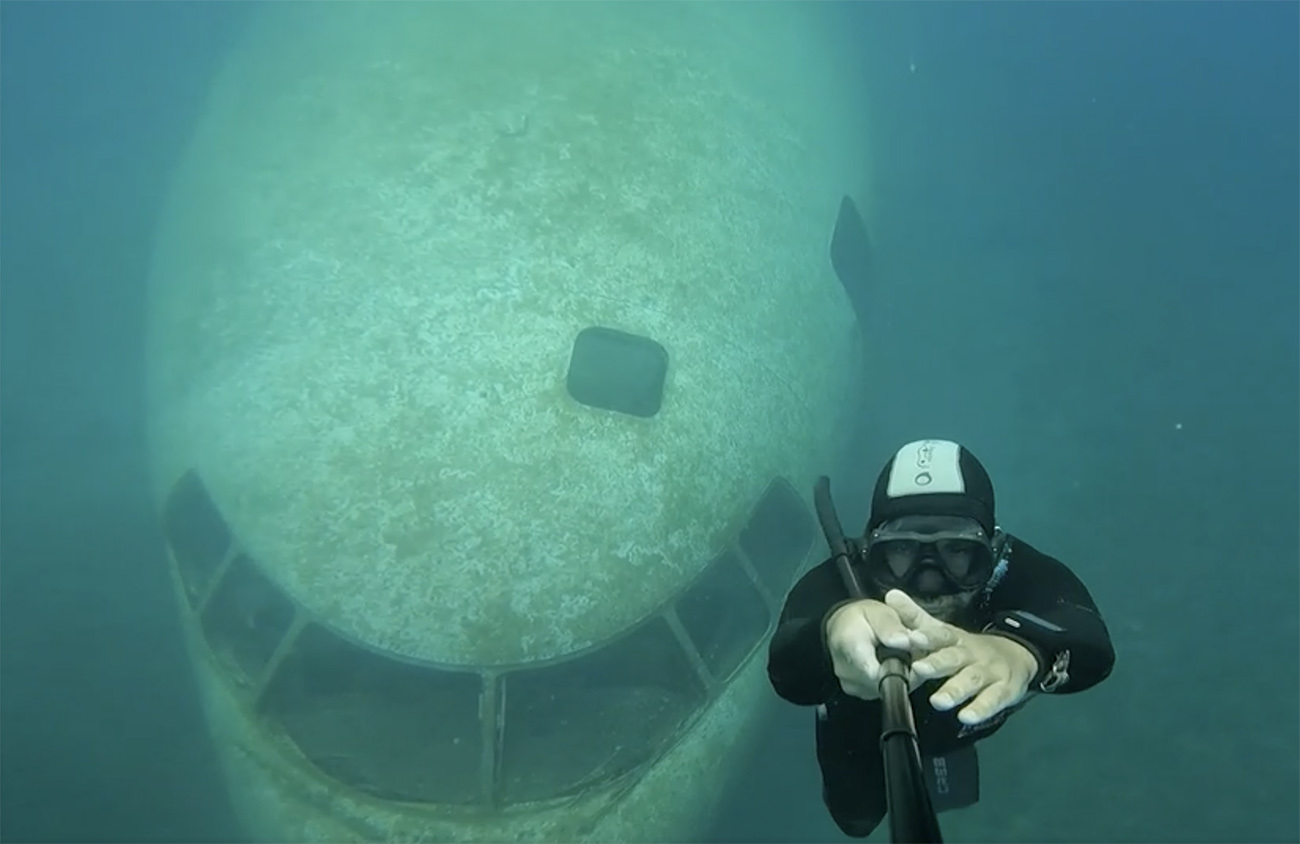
x: 494, y: 350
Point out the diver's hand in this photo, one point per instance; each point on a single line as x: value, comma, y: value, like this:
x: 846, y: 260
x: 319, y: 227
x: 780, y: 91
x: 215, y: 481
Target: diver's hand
x: 853, y: 632
x: 992, y: 672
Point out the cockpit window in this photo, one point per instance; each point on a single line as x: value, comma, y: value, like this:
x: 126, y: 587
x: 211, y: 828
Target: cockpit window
x: 778, y: 536
x: 198, y: 535
x: 724, y: 615
x: 595, y: 717
x: 245, y: 619
x: 415, y: 732
x: 613, y: 370
x: 395, y: 730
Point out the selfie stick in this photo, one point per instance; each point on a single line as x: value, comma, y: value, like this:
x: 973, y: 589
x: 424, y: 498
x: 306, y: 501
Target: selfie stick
x: 911, y: 815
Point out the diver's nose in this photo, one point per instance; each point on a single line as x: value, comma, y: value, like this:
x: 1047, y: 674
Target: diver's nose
x: 929, y: 582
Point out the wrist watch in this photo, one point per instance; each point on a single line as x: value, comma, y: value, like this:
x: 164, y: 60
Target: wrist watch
x: 1045, y: 640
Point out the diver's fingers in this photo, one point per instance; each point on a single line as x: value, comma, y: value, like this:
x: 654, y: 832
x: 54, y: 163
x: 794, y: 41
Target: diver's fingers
x: 888, y: 627
x: 859, y: 690
x: 934, y: 637
x: 925, y: 632
x: 942, y: 663
x: 852, y: 642
x: 963, y: 685
x: 988, y: 703
x: 909, y: 612
x: 861, y: 654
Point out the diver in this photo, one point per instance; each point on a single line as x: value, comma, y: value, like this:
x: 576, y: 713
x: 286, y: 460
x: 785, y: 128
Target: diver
x: 989, y: 621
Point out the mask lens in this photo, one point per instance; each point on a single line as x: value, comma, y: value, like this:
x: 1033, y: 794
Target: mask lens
x: 959, y: 557
x: 900, y: 556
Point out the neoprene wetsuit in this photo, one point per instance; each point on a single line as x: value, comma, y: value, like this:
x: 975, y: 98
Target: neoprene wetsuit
x: 1071, y: 636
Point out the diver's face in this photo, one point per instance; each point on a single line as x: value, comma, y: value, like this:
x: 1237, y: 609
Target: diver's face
x: 940, y: 562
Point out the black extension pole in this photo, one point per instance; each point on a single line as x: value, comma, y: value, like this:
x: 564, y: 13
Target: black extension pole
x: 911, y: 815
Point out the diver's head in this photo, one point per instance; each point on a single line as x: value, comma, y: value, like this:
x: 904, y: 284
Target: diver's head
x: 931, y: 528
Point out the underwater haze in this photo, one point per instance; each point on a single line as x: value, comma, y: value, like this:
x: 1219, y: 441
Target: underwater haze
x: 1086, y: 224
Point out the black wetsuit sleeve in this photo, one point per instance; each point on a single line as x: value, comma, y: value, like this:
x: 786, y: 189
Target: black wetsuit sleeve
x: 798, y: 664
x: 1045, y: 588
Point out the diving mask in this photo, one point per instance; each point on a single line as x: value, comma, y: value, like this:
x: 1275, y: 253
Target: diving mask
x: 928, y: 555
